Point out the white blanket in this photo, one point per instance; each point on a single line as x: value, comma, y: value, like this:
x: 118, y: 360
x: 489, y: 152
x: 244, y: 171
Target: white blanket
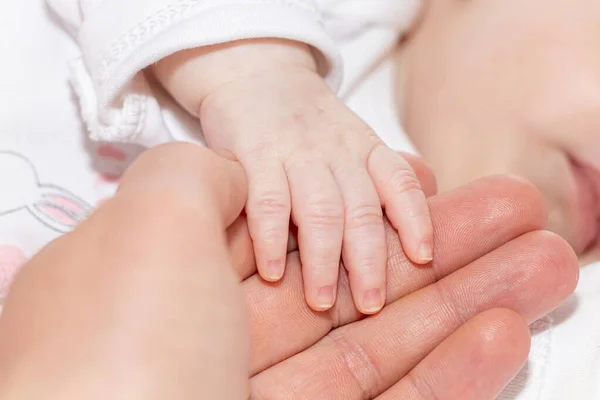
x: 51, y: 177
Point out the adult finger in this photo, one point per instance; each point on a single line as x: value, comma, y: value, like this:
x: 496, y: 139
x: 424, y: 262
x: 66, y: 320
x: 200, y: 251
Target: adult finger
x: 474, y: 363
x: 189, y: 176
x: 469, y: 222
x: 241, y: 248
x: 142, y: 289
x: 531, y: 275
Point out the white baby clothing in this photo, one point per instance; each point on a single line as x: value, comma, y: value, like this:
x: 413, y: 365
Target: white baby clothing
x: 119, y: 39
x: 52, y: 175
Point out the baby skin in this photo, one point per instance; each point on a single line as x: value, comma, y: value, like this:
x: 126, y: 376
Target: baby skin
x: 491, y: 87
x: 310, y: 162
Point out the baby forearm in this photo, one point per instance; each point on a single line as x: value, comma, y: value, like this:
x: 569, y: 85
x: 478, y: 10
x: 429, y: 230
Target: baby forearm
x: 191, y: 75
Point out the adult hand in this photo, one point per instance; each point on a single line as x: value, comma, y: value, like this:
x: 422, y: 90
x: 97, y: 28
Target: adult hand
x: 140, y: 303
x: 454, y: 330
x: 141, y: 300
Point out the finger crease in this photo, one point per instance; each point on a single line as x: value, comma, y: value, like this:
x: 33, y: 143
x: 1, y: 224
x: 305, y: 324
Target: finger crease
x: 421, y: 386
x: 364, y: 216
x: 402, y: 181
x: 449, y: 306
x: 359, y: 363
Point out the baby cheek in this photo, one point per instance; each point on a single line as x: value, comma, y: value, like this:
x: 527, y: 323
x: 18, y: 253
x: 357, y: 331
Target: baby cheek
x: 568, y: 116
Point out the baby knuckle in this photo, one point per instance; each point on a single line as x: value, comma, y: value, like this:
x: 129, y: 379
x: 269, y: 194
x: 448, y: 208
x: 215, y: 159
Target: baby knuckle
x: 268, y: 238
x: 324, y: 214
x: 403, y: 180
x: 301, y: 159
x: 364, y: 216
x: 346, y: 164
x: 373, y: 137
x: 258, y: 152
x: 270, y: 203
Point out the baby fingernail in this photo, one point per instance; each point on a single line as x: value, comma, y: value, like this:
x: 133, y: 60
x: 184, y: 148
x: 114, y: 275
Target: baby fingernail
x: 372, y: 301
x: 325, y: 297
x: 426, y: 252
x: 274, y: 270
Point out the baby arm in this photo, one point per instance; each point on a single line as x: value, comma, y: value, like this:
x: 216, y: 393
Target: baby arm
x: 306, y: 155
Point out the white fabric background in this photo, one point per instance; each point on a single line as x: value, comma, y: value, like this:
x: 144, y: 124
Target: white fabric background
x: 39, y: 120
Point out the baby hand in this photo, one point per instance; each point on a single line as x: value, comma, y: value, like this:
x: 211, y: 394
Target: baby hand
x: 306, y: 155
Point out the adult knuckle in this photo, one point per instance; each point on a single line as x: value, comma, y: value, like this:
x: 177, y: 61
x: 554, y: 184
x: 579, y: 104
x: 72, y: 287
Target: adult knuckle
x: 359, y: 363
x: 421, y: 387
x: 140, y: 218
x: 452, y: 307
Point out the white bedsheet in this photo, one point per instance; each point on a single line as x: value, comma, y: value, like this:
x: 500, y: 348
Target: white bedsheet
x: 564, y: 363
x: 57, y: 176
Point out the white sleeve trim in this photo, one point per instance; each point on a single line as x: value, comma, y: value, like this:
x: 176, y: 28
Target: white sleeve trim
x: 118, y: 42
x: 120, y: 38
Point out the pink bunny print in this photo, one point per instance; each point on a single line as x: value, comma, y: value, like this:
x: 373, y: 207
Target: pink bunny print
x: 11, y: 261
x: 111, y: 163
x: 55, y: 207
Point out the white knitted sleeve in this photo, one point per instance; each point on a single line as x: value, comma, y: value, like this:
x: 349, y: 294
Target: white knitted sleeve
x: 365, y: 30
x: 118, y: 39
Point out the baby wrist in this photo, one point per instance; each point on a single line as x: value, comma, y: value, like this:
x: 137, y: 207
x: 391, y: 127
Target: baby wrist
x: 190, y: 76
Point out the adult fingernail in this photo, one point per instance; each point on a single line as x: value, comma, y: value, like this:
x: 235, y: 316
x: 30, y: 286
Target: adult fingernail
x: 274, y: 270
x: 426, y: 252
x: 325, y: 297
x: 372, y: 301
